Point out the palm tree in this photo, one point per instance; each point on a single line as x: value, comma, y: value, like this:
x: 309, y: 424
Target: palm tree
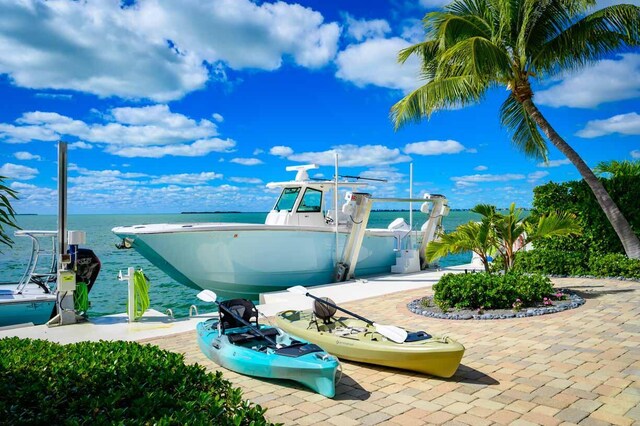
x: 505, y: 234
x: 472, y: 236
x: 7, y: 214
x: 474, y: 45
x: 618, y: 168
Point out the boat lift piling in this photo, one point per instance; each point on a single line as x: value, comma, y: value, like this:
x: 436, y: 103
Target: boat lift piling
x: 346, y: 266
x: 66, y: 279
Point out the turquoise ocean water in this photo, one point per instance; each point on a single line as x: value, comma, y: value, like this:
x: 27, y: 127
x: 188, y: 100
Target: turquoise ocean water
x: 109, y: 295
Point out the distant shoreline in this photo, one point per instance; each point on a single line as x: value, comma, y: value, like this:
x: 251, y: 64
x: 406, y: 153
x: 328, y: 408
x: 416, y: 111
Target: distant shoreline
x: 214, y: 212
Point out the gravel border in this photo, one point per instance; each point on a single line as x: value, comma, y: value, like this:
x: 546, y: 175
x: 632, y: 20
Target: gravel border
x: 573, y: 301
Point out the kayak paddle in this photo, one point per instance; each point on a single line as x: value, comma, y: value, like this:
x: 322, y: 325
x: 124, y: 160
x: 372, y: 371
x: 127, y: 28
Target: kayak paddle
x: 210, y: 296
x: 391, y: 332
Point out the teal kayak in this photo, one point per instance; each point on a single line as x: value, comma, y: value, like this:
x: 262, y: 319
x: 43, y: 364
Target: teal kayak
x: 244, y: 350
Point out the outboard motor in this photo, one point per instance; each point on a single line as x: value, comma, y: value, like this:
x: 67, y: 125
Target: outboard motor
x: 87, y: 267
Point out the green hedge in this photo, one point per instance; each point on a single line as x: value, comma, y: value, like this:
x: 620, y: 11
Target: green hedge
x: 552, y: 262
x: 113, y: 383
x: 490, y: 291
x: 598, y: 236
x: 614, y: 265
x: 563, y: 262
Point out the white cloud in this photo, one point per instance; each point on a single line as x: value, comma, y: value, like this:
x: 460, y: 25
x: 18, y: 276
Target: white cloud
x: 360, y: 29
x: 187, y: 178
x: 554, y: 163
x: 150, y: 131
x: 17, y: 172
x: 353, y: 156
x: 375, y: 62
x: 391, y: 174
x: 157, y: 49
x: 23, y: 155
x: 635, y: 153
x: 606, y: 81
x: 281, y: 151
x: 198, y: 148
x: 434, y: 147
x: 258, y: 151
x: 481, y: 168
x: 434, y: 4
x: 79, y: 145
x: 625, y: 124
x: 533, y: 177
x: 413, y: 31
x: 253, y: 181
x: 247, y: 161
x: 470, y: 180
x: 219, y: 118
x: 148, y: 125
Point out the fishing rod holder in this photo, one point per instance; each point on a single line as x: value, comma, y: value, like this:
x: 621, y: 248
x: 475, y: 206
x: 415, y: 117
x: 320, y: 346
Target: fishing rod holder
x: 130, y: 293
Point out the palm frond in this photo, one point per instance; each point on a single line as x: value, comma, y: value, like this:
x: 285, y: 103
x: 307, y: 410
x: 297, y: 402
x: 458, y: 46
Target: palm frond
x: 590, y: 39
x: 525, y: 134
x: 450, y: 29
x: 475, y: 56
x: 618, y: 168
x: 435, y: 95
x: 554, y: 224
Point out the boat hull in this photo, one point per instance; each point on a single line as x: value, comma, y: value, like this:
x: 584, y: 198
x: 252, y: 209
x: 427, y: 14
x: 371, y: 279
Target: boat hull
x: 244, y: 261
x: 31, y: 306
x: 437, y: 356
x: 315, y: 370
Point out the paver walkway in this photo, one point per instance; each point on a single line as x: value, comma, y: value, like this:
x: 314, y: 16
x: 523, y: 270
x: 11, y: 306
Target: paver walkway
x: 577, y: 367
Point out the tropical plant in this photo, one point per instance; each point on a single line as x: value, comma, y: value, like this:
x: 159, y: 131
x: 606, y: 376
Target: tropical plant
x: 618, y: 168
x: 474, y: 45
x: 7, y: 213
x: 473, y: 236
x: 500, y: 233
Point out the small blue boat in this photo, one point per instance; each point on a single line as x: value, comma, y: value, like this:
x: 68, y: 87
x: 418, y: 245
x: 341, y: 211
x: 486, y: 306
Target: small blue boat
x: 240, y: 344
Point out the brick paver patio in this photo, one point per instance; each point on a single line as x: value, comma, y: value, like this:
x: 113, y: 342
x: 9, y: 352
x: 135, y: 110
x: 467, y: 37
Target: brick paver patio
x: 577, y: 367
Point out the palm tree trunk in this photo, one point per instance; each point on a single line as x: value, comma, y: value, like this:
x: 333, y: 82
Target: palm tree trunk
x: 620, y: 224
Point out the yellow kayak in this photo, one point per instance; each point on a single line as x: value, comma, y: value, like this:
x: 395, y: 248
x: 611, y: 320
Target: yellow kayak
x: 355, y: 340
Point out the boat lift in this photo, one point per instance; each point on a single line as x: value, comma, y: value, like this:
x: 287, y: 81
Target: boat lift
x: 359, y: 207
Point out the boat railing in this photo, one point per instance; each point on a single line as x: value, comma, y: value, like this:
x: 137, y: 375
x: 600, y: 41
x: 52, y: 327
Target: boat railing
x: 31, y: 273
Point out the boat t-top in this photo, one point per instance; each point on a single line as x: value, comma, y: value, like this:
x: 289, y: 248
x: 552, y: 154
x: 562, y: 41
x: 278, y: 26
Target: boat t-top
x: 306, y: 239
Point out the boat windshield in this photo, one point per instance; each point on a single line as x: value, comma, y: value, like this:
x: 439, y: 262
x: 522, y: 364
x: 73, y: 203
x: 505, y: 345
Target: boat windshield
x: 287, y: 199
x: 311, y: 201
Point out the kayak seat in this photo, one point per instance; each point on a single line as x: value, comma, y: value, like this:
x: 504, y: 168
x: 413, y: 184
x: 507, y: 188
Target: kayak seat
x: 244, y: 337
x: 243, y: 308
x: 298, y: 349
x: 417, y: 336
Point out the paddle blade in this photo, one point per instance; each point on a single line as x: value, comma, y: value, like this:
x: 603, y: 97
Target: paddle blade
x: 391, y: 332
x: 207, y: 296
x: 297, y: 290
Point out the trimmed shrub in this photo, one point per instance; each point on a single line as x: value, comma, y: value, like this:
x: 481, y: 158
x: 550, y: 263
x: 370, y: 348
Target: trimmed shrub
x: 491, y: 291
x: 552, y: 262
x: 614, y: 265
x: 113, y: 383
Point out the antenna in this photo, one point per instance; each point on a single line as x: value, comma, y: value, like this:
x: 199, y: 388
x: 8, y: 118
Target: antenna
x: 302, y: 174
x: 362, y: 178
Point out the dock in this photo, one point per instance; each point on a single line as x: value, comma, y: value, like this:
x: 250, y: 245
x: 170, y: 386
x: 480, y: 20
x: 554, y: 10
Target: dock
x: 580, y: 366
x: 155, y: 324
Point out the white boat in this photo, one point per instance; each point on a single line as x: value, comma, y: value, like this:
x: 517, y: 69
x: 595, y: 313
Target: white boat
x: 296, y: 244
x: 32, y: 299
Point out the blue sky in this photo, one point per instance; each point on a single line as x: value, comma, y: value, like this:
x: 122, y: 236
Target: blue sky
x: 195, y: 105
